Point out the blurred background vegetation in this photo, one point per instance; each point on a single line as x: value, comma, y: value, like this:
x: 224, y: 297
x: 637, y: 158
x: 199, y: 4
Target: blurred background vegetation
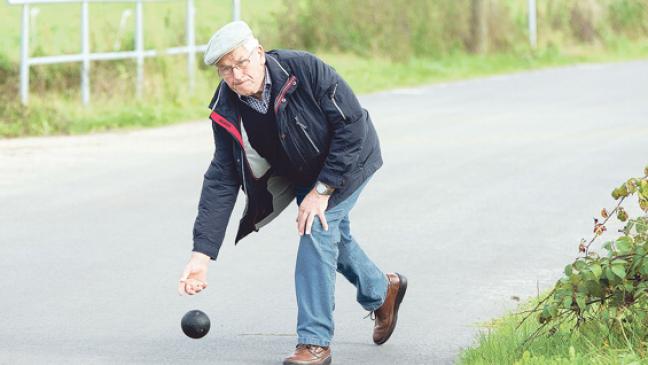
x: 374, y: 44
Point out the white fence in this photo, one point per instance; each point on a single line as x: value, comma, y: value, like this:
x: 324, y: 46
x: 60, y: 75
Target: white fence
x: 139, y: 53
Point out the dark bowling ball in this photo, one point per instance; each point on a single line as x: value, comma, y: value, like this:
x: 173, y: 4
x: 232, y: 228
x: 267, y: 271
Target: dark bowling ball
x: 195, y: 324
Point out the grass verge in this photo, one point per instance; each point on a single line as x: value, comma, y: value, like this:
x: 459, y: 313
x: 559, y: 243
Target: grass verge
x: 593, y: 344
x: 368, y: 75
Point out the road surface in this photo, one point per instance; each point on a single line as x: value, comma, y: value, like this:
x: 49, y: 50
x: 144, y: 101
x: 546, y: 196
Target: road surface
x: 488, y: 186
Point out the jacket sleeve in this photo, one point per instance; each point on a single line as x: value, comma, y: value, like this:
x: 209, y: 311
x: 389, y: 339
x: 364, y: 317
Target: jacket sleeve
x: 219, y: 191
x: 346, y: 118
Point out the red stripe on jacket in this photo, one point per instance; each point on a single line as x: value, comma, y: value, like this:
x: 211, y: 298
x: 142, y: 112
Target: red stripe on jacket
x: 218, y: 119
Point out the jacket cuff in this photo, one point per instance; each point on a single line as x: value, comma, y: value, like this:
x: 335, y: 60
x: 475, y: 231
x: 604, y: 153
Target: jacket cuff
x: 207, y: 248
x: 331, y: 179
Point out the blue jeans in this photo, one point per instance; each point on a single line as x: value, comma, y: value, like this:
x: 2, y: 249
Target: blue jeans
x: 320, y: 255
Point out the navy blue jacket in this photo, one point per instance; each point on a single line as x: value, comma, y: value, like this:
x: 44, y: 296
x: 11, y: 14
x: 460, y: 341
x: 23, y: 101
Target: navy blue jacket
x: 327, y: 135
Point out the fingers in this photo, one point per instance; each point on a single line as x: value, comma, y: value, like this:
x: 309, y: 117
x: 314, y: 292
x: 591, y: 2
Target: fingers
x: 188, y: 285
x: 192, y: 286
x: 305, y: 222
x: 309, y: 222
x: 301, y: 221
x: 311, y: 206
x: 191, y: 289
x: 183, y: 279
x: 322, y: 218
x: 198, y: 286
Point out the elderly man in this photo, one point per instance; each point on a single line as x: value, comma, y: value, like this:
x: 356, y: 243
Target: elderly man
x: 287, y: 125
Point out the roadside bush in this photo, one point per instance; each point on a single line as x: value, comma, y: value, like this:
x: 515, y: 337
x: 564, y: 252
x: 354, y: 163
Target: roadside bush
x: 608, y: 291
x: 629, y: 17
x: 584, y: 16
x: 596, y: 314
x: 399, y: 29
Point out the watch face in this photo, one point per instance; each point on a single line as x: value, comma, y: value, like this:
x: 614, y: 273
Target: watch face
x: 320, y: 188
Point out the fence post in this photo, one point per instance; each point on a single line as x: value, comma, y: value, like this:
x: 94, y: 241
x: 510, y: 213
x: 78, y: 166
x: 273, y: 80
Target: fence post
x: 478, y: 26
x: 533, y: 28
x: 85, y: 50
x: 139, y: 48
x: 236, y: 10
x: 191, y: 45
x: 24, y: 56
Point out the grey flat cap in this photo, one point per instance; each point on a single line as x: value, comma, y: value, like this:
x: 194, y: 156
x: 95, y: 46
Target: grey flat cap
x: 225, y: 40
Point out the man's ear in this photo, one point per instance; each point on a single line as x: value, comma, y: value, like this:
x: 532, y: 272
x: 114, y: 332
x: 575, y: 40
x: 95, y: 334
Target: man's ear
x: 262, y: 57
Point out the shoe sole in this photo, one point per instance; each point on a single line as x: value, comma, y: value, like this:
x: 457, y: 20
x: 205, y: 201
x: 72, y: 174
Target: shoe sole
x: 326, y: 362
x: 399, y: 298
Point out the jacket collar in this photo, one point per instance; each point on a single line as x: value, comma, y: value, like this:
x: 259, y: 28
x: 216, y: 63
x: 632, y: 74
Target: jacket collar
x: 278, y: 72
x: 221, y: 101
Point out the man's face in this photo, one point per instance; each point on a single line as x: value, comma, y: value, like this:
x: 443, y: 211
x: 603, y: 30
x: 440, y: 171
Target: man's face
x: 243, y: 71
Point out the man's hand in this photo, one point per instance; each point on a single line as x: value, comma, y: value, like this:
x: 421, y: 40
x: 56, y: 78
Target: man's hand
x: 194, y: 277
x: 313, y: 205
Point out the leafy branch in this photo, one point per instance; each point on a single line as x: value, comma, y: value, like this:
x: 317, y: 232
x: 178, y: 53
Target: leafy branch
x: 606, y: 289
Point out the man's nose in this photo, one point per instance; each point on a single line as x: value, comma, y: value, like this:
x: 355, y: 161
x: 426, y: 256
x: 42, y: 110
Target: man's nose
x: 237, y: 73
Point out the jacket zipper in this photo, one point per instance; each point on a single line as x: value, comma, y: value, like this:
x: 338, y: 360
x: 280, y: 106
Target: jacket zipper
x: 334, y: 103
x: 303, y: 128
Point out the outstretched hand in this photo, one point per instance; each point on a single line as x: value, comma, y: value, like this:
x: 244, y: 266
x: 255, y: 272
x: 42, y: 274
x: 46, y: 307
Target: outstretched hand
x: 194, y: 277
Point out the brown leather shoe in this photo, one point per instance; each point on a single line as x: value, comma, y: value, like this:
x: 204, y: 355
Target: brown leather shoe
x: 387, y: 314
x: 309, y: 355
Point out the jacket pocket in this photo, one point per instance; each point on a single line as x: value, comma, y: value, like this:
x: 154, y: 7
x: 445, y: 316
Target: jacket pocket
x: 336, y: 104
x: 304, y: 130
x: 340, y: 104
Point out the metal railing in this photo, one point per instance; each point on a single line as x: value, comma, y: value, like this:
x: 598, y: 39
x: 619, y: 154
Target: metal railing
x: 85, y: 57
x: 533, y: 24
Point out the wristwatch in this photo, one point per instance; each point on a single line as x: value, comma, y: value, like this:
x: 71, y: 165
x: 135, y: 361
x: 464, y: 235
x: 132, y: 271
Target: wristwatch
x: 323, y: 189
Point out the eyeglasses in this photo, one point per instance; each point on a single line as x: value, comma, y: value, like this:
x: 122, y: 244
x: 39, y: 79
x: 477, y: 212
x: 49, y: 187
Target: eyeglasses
x: 227, y: 71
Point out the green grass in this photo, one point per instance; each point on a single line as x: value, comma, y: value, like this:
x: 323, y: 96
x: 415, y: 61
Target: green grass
x: 373, y: 74
x: 500, y: 342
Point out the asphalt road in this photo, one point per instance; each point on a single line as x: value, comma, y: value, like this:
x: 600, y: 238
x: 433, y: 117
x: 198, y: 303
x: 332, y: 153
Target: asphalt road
x: 487, y: 187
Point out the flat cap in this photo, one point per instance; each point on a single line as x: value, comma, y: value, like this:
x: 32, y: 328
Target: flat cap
x: 225, y: 40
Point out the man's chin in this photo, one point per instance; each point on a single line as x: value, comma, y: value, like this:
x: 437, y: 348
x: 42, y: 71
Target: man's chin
x: 244, y: 91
